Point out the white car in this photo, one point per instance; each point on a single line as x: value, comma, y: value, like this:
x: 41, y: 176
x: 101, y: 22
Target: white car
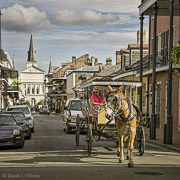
x: 27, y: 112
x: 71, y: 110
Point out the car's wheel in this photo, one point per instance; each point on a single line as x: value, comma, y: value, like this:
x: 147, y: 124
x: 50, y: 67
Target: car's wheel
x: 48, y: 114
x: 40, y: 113
x: 68, y: 130
x: 21, y: 146
x: 29, y: 134
x: 32, y: 130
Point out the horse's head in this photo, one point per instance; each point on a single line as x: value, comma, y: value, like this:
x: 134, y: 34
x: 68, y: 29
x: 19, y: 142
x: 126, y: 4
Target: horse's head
x: 112, y: 102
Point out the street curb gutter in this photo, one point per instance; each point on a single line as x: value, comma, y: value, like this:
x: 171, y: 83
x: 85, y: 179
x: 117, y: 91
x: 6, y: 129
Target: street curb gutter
x: 167, y: 146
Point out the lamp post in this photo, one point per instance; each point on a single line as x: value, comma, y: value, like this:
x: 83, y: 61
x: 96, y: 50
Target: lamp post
x: 169, y: 115
x: 44, y: 91
x: 141, y: 60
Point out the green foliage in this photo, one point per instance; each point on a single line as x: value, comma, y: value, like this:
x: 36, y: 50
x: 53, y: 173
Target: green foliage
x: 175, y: 57
x: 15, y: 83
x: 175, y: 54
x: 27, y: 102
x: 40, y: 102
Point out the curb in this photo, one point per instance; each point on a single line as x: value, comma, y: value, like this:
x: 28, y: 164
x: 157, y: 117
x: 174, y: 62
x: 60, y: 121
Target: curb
x: 165, y: 146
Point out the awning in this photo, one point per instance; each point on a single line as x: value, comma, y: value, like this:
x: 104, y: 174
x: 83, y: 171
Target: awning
x: 58, y: 95
x: 112, y: 83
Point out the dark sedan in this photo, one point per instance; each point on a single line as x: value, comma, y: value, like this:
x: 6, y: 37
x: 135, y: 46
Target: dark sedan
x: 22, y: 122
x: 44, y: 110
x: 10, y: 133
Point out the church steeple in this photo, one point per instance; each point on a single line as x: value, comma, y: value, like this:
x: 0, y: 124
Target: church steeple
x: 49, y: 67
x: 31, y: 54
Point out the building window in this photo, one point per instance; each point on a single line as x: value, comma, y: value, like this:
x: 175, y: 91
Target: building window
x: 33, y: 90
x: 37, y: 90
x: 28, y: 90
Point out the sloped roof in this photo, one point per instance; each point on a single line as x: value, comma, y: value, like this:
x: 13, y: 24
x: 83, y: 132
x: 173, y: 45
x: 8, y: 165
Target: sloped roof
x: 109, y: 70
x: 132, y: 45
x: 34, y: 67
x: 3, y: 56
x: 88, y: 68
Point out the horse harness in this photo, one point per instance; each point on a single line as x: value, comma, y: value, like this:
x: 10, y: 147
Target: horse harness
x: 120, y: 112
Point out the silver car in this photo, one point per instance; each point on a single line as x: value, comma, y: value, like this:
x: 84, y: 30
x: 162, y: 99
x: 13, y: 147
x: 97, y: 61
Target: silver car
x: 71, y: 110
x: 27, y: 112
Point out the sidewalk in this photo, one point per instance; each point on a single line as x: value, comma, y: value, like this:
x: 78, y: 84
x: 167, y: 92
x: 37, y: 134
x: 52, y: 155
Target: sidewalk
x: 172, y: 147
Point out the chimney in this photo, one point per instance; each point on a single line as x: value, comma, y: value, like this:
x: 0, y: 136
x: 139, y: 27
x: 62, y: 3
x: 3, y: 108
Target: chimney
x: 118, y: 57
x: 96, y: 61
x: 86, y: 57
x: 139, y: 36
x: 108, y: 62
x: 92, y: 61
x: 74, y: 60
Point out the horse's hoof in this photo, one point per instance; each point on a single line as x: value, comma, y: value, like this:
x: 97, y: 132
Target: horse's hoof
x: 121, y: 161
x: 130, y: 164
x: 127, y: 157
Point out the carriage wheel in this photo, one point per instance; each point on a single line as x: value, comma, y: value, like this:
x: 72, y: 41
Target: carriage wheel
x: 77, y: 132
x: 141, y: 140
x: 89, y: 139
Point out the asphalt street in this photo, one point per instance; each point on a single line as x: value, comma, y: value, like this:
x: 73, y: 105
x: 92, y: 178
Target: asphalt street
x: 53, y: 154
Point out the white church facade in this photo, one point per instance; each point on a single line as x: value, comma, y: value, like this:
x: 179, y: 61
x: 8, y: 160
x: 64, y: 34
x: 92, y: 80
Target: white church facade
x: 32, y: 79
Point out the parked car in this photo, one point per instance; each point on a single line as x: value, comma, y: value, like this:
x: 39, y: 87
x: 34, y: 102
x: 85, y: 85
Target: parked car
x: 27, y: 112
x: 71, y: 110
x: 22, y: 122
x: 10, y: 133
x: 44, y: 110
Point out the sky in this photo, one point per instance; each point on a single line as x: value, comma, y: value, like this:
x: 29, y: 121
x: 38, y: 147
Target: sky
x: 65, y: 28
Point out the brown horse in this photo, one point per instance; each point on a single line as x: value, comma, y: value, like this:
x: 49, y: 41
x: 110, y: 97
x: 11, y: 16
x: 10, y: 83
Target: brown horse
x: 122, y: 110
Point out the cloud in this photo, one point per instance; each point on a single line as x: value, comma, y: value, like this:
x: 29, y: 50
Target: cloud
x: 69, y: 18
x: 21, y: 19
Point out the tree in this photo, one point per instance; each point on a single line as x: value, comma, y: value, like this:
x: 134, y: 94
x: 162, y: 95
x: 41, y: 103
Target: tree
x: 14, y: 84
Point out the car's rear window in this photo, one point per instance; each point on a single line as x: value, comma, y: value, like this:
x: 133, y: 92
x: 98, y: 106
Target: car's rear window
x: 75, y: 105
x: 7, y: 121
x: 19, y: 117
x: 25, y: 110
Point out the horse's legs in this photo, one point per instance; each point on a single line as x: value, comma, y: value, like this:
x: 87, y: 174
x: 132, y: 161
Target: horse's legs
x: 118, y: 148
x: 128, y: 148
x: 131, y: 147
x: 121, y: 143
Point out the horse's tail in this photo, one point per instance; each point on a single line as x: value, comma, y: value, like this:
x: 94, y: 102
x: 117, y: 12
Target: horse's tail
x: 137, y: 111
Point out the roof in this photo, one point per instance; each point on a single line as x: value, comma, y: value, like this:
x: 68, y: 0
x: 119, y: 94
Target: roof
x: 86, y: 69
x: 131, y: 45
x: 33, y: 67
x: 109, y: 70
